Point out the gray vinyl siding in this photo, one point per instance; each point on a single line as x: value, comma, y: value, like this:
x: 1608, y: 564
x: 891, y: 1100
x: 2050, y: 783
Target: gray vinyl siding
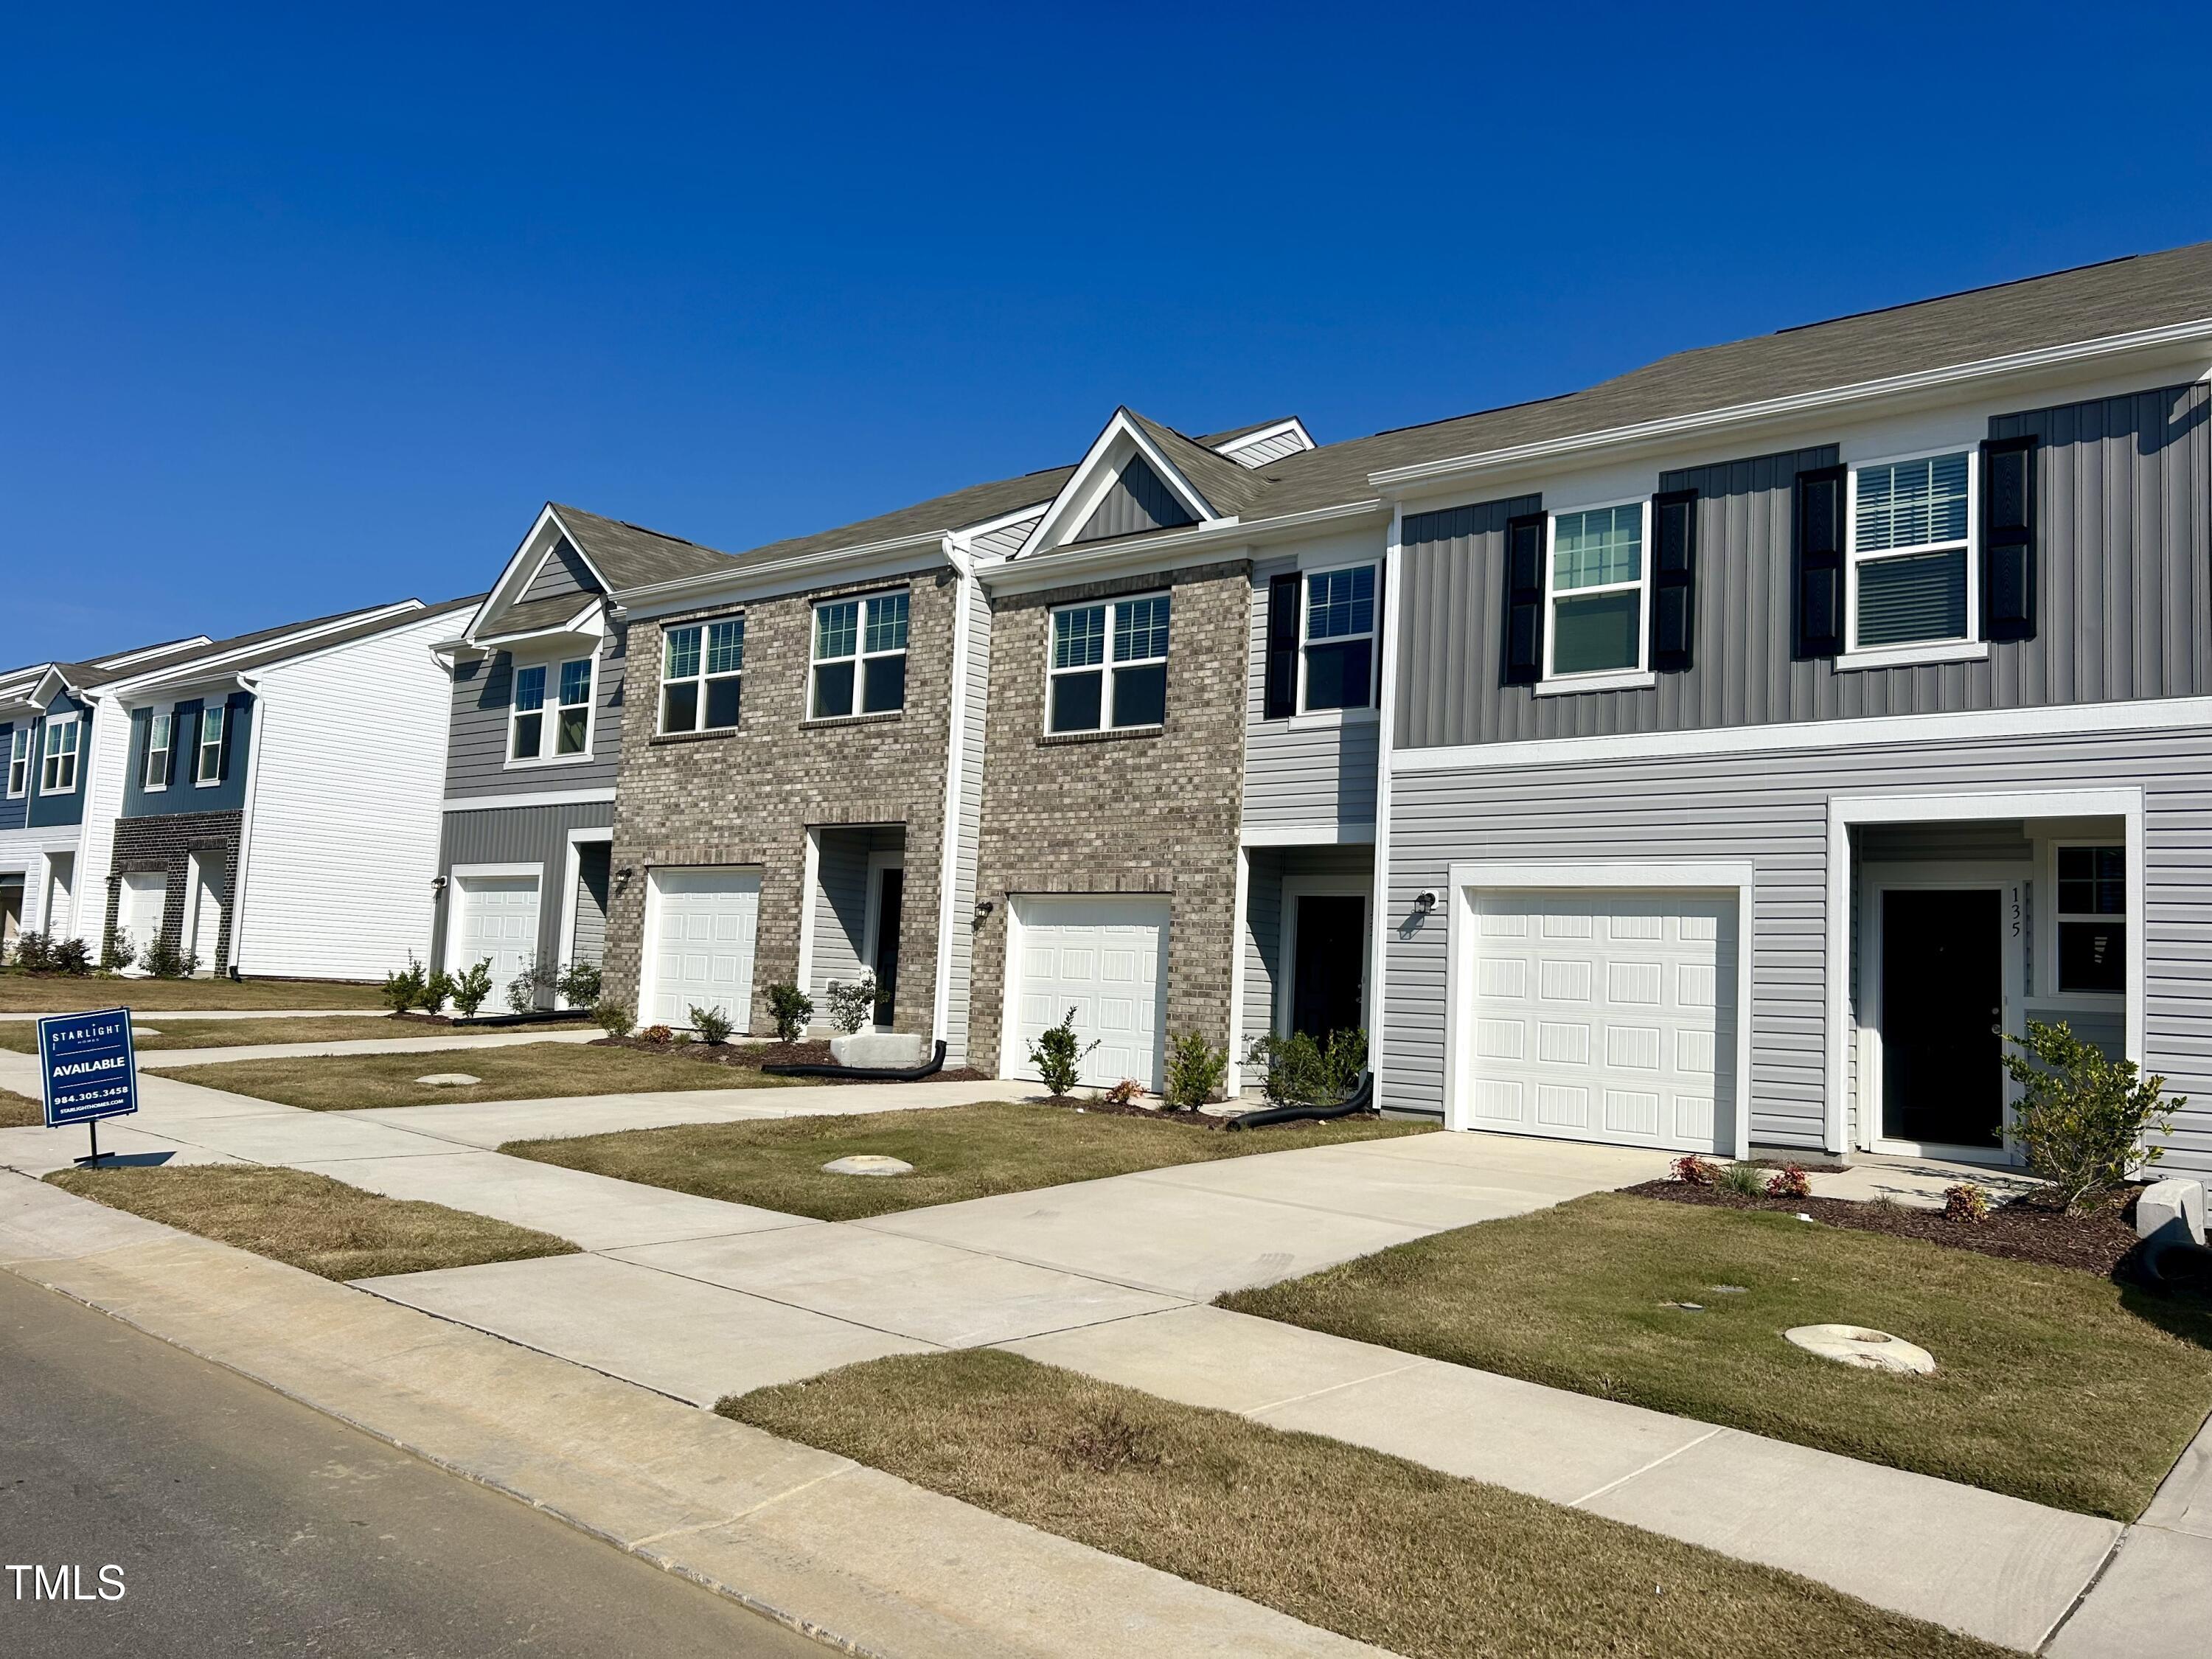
x: 1771, y: 810
x: 1296, y: 773
x: 563, y: 572
x: 475, y: 748
x: 1137, y: 501
x: 841, y: 909
x: 1007, y: 540
x: 517, y: 835
x: 2124, y: 546
x: 960, y: 992
x: 1265, y: 913
x: 589, y: 942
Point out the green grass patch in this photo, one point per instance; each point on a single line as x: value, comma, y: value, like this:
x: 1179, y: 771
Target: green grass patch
x: 528, y: 1070
x: 58, y: 993
x: 2054, y: 1385
x: 20, y: 1111
x: 311, y: 1221
x: 957, y: 1152
x: 1369, y: 1546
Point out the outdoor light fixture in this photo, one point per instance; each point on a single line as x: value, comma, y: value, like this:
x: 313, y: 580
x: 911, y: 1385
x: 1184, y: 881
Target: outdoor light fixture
x: 1427, y: 901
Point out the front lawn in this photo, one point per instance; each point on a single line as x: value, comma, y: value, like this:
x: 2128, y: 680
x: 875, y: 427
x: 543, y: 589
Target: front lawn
x: 61, y: 993
x: 528, y: 1070
x: 957, y: 1152
x: 2054, y: 1385
x: 311, y: 1221
x: 1371, y: 1547
x: 22, y: 1037
x: 20, y: 1111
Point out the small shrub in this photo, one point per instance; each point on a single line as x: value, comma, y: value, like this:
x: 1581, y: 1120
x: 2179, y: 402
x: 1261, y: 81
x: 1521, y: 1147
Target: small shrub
x: 471, y: 988
x: 710, y: 1025
x: 579, y: 984
x: 1058, y: 1056
x: 166, y: 961
x: 1693, y: 1171
x: 2082, y: 1118
x: 852, y: 1007
x: 529, y: 988
x: 1966, y: 1202
x: 1791, y: 1180
x: 73, y: 956
x: 1343, y: 1059
x: 437, y: 989
x: 1744, y: 1180
x: 789, y: 1008
x: 116, y: 953
x: 1124, y: 1092
x: 1196, y: 1071
x: 402, y: 988
x: 615, y: 1018
x: 35, y: 951
x: 658, y: 1035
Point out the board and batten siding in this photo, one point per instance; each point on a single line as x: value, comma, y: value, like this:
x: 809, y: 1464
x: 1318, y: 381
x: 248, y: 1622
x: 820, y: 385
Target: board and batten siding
x: 2123, y: 557
x: 1771, y: 811
x: 518, y: 834
x: 483, y: 694
x: 960, y: 983
x: 1302, y: 771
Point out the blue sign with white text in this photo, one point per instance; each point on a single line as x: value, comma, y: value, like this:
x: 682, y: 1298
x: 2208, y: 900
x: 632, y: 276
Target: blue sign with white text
x: 87, y: 1066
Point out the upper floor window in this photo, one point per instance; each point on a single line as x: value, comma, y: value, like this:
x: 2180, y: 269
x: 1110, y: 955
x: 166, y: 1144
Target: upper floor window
x: 2093, y: 918
x: 1911, y: 551
x: 58, y: 774
x: 19, y: 761
x: 570, y: 684
x: 702, y: 669
x: 1109, y: 665
x: 1596, y: 576
x: 210, y: 769
x: 156, y: 773
x: 1339, y: 642
x: 860, y: 651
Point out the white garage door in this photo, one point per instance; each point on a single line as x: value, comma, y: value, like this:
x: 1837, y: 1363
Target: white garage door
x: 138, y: 908
x: 1603, y: 1016
x: 700, y: 925
x: 1107, y: 959
x: 495, y: 919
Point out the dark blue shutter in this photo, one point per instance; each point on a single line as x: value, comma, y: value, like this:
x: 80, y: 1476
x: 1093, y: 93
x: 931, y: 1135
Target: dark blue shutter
x: 1284, y: 594
x: 2009, y: 538
x: 1674, y: 580
x: 1524, y: 599
x: 1818, y: 623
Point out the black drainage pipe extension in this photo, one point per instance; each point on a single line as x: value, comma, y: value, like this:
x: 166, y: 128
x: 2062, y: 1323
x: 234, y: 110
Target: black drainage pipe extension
x: 1361, y: 1099
x: 929, y: 1067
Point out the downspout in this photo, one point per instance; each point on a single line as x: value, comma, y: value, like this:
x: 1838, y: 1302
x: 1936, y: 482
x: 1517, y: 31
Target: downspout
x: 948, y: 872
x: 252, y: 687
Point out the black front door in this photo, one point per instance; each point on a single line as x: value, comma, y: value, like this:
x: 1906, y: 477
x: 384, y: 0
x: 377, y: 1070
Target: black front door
x: 1942, y: 1008
x: 890, y: 903
x: 1326, y: 979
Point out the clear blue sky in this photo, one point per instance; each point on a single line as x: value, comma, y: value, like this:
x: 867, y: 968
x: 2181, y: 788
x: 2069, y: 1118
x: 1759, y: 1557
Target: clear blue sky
x: 304, y: 307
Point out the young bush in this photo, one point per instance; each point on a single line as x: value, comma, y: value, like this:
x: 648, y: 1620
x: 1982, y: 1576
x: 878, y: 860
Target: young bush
x: 1343, y: 1059
x: 166, y: 961
x: 437, y: 989
x: 1124, y: 1092
x: 403, y: 987
x: 1196, y: 1070
x: 1693, y: 1171
x: 528, y: 988
x: 1966, y: 1202
x: 2082, y: 1118
x: 852, y: 1007
x: 1301, y: 1072
x: 35, y: 951
x: 116, y: 953
x: 579, y: 984
x: 790, y: 1008
x: 471, y: 989
x: 1058, y: 1056
x: 1789, y: 1182
x: 73, y: 956
x: 615, y: 1018
x: 1744, y: 1180
x: 710, y: 1025
x: 658, y: 1035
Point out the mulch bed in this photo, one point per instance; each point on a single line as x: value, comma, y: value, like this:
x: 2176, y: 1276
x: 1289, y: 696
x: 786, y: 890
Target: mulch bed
x: 751, y: 1056
x: 1189, y: 1120
x: 2100, y: 1242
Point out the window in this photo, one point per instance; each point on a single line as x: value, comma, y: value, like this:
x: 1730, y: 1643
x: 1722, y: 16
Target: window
x: 211, y: 761
x: 1911, y: 551
x: 572, y: 710
x: 2092, y: 910
x: 58, y: 776
x: 1597, y: 591
x: 156, y: 775
x: 574, y: 720
x: 1094, y: 689
x: 860, y: 644
x: 1338, y: 671
x: 19, y: 761
x: 701, y: 675
x: 527, y: 718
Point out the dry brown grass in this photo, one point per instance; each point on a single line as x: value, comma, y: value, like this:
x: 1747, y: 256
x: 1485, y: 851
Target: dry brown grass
x: 311, y: 1221
x: 23, y: 1035
x: 20, y: 1111
x: 56, y: 993
x: 528, y: 1070
x: 1369, y: 1546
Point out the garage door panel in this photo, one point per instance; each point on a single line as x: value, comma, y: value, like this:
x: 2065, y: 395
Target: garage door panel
x: 1104, y: 958
x: 497, y: 921
x: 704, y: 924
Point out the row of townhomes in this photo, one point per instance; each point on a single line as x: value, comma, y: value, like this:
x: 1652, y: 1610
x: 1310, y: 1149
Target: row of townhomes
x: 1726, y: 755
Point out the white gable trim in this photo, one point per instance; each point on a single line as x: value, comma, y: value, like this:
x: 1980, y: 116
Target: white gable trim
x: 1095, y: 474
x: 1245, y: 441
x: 514, y: 579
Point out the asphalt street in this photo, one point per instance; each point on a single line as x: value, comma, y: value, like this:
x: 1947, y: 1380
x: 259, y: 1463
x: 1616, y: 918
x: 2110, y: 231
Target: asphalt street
x: 240, y: 1521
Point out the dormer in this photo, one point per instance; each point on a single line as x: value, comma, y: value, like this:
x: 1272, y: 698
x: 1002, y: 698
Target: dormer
x: 550, y: 589
x: 1139, y: 478
x: 1253, y: 447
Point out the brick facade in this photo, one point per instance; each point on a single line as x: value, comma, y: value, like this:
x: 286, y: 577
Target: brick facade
x: 167, y: 843
x: 749, y: 797
x: 1157, y: 811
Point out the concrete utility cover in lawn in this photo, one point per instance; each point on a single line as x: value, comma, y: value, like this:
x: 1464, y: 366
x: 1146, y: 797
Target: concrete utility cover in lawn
x: 449, y: 1080
x: 1870, y: 1350
x: 867, y: 1163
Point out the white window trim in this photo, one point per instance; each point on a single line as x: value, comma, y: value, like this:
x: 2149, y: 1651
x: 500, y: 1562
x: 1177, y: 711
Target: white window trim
x: 1373, y: 635
x: 578, y: 840
x: 1598, y: 679
x: 2047, y: 931
x: 1968, y: 646
x: 147, y: 778
x: 50, y: 751
x: 1106, y: 662
x: 550, y: 708
x: 660, y: 728
x: 22, y: 756
x: 860, y: 656
x: 201, y: 745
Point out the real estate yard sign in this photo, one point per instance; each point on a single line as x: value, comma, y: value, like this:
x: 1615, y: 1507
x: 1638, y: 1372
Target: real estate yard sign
x: 88, y: 1068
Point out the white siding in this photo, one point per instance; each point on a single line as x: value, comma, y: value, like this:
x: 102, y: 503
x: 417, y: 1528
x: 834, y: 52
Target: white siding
x: 342, y: 810
x: 960, y: 991
x: 1258, y: 452
x: 102, y: 783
